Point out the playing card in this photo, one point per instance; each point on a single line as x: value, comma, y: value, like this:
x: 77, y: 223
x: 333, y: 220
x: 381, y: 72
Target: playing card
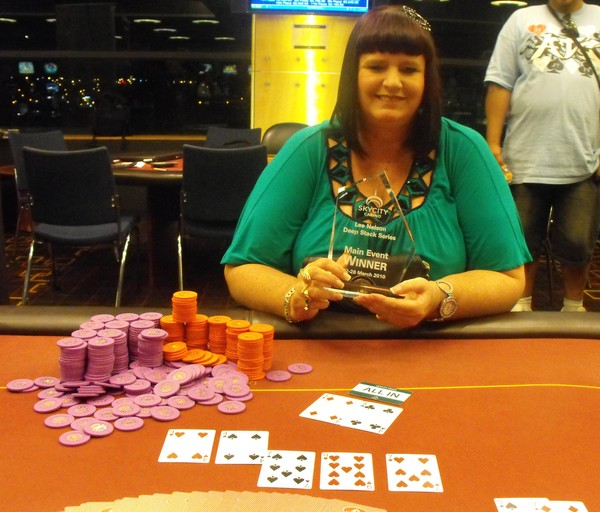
x: 187, y: 445
x: 242, y: 447
x: 563, y: 506
x: 287, y: 469
x: 352, y: 413
x: 413, y: 473
x: 519, y: 504
x: 347, y: 471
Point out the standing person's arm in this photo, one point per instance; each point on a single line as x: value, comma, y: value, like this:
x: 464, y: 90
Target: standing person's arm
x: 497, y: 104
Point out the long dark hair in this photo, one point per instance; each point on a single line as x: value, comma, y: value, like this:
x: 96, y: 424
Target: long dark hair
x: 390, y: 28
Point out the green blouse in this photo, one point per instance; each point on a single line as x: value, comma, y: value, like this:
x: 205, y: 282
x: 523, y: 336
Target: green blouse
x: 467, y: 219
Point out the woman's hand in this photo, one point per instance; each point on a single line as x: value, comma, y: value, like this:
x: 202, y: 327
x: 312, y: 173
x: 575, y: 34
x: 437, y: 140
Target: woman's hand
x: 310, y: 294
x: 421, y: 299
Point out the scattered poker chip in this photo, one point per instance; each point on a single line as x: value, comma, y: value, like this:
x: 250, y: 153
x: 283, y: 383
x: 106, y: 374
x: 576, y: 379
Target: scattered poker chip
x: 235, y: 390
x: 164, y: 413
x: 98, y: 428
x: 73, y: 438
x: 126, y: 410
x: 80, y: 423
x: 102, y: 400
x: 58, y: 420
x: 231, y: 407
x: 50, y: 393
x: 105, y: 414
x: 278, y: 375
x: 147, y: 400
x: 81, y: 410
x: 216, y: 399
x: 46, y: 382
x: 21, y: 385
x: 201, y: 394
x: 48, y: 405
x: 166, y: 388
x: 245, y: 398
x: 129, y: 424
x: 181, y: 402
x: 300, y: 368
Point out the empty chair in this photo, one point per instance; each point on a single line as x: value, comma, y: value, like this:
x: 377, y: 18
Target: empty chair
x: 53, y: 140
x: 276, y: 135
x: 216, y: 184
x: 219, y: 137
x: 73, y: 201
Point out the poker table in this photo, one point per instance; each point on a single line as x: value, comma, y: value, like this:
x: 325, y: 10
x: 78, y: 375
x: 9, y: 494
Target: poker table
x: 505, y: 416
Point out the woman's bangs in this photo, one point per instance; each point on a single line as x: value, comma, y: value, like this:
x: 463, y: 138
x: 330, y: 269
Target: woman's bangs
x: 392, y: 38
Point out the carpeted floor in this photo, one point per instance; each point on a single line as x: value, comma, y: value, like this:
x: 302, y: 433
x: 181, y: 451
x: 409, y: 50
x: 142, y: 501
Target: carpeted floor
x: 89, y: 277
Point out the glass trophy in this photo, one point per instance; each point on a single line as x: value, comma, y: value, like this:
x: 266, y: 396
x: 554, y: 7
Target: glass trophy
x: 369, y: 225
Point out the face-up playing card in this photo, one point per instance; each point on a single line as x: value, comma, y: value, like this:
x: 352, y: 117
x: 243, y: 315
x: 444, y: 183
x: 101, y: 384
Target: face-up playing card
x: 352, y: 413
x: 562, y: 506
x: 187, y: 445
x: 519, y: 504
x: 286, y: 469
x: 242, y: 447
x: 347, y: 471
x: 413, y: 473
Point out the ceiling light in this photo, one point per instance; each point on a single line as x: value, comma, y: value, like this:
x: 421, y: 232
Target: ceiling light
x: 50, y: 20
x: 146, y: 20
x: 164, y: 29
x: 7, y: 20
x: 206, y: 20
x: 224, y: 38
x: 517, y: 3
x: 179, y: 38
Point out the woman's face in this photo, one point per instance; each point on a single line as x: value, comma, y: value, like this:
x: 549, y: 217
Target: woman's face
x: 390, y: 88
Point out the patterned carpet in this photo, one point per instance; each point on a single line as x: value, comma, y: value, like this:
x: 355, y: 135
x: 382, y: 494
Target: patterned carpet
x: 89, y: 277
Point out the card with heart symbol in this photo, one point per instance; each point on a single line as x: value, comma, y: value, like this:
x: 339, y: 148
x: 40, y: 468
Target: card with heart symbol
x: 537, y: 505
x: 346, y: 471
x: 352, y: 412
x: 187, y: 445
x: 409, y: 472
x: 287, y: 469
x: 242, y: 447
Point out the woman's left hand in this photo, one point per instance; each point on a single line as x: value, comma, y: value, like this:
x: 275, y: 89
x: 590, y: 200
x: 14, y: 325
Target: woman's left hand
x: 418, y: 300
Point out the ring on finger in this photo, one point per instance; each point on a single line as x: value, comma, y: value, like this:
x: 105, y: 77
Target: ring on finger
x: 305, y: 274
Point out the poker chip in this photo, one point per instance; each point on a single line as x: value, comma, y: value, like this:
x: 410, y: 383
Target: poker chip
x: 73, y: 438
x: 129, y: 424
x: 231, y: 407
x: 105, y: 414
x: 122, y: 379
x: 98, y: 428
x: 278, y: 375
x: 201, y: 394
x: 50, y: 393
x: 147, y: 400
x: 80, y: 423
x: 81, y: 410
x: 21, y: 385
x: 125, y: 410
x: 58, y: 420
x: 300, y: 368
x: 234, y: 390
x: 48, y: 405
x: 46, y: 382
x: 164, y: 413
x: 166, y: 388
x: 181, y: 402
x: 215, y: 400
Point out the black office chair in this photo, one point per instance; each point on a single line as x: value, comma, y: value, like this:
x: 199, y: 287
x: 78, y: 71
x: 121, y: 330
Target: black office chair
x: 73, y: 201
x: 53, y: 140
x: 216, y: 184
x: 275, y: 136
x: 220, y: 137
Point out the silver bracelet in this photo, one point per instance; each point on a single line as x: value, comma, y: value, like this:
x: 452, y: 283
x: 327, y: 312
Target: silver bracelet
x: 286, y: 305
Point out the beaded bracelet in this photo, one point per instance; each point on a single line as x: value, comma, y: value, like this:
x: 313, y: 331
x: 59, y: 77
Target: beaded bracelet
x: 286, y: 306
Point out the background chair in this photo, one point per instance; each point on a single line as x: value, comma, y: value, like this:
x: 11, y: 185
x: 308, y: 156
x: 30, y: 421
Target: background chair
x: 53, y: 140
x: 216, y: 184
x: 219, y: 137
x: 73, y: 201
x: 276, y: 135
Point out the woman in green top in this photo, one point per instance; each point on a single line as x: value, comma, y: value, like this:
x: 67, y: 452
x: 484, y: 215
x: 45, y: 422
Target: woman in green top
x: 452, y: 193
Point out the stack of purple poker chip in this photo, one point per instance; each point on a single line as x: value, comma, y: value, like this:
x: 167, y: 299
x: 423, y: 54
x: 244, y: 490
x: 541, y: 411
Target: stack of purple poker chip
x: 120, y: 348
x: 122, y: 325
x: 92, y: 326
x: 72, y: 359
x: 135, y: 328
x: 150, y: 347
x: 127, y: 317
x: 101, y: 359
x: 104, y: 318
x: 84, y: 334
x: 153, y: 317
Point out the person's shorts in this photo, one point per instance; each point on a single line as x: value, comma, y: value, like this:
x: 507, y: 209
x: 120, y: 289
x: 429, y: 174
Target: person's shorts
x: 575, y: 220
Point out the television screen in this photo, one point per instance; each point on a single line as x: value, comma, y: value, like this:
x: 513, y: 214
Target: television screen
x: 230, y: 69
x: 50, y: 68
x: 26, y: 68
x: 310, y: 6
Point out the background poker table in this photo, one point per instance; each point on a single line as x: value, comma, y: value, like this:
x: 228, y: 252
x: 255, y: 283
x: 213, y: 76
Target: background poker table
x: 505, y: 418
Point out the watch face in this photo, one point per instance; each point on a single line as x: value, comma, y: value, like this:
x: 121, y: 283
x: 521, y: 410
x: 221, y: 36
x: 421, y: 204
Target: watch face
x: 448, y: 307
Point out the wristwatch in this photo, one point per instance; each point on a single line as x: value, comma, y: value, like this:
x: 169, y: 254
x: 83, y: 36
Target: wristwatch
x: 448, y: 306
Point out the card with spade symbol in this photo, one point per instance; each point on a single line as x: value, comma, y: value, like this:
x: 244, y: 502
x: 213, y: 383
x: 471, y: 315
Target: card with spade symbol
x: 242, y: 447
x: 352, y: 413
x: 287, y: 469
x: 409, y: 472
x: 346, y: 471
x: 187, y: 445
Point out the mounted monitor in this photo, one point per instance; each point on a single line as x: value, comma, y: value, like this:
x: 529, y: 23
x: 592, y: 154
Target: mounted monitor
x: 309, y: 6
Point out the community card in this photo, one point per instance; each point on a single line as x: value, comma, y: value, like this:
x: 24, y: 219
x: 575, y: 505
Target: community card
x: 187, y: 445
x: 520, y: 504
x: 563, y: 506
x: 242, y: 447
x: 346, y: 471
x: 287, y: 469
x: 409, y: 472
x: 352, y: 413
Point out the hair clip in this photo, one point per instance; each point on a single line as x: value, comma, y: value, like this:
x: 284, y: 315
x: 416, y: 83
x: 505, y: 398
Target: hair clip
x: 416, y: 17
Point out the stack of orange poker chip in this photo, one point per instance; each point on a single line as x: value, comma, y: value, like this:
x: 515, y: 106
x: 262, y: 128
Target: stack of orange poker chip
x: 268, y: 332
x: 217, y: 337
x: 250, y: 354
x: 204, y: 357
x: 185, y: 306
x: 175, y: 329
x: 234, y: 327
x: 196, y: 332
x: 174, y: 350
